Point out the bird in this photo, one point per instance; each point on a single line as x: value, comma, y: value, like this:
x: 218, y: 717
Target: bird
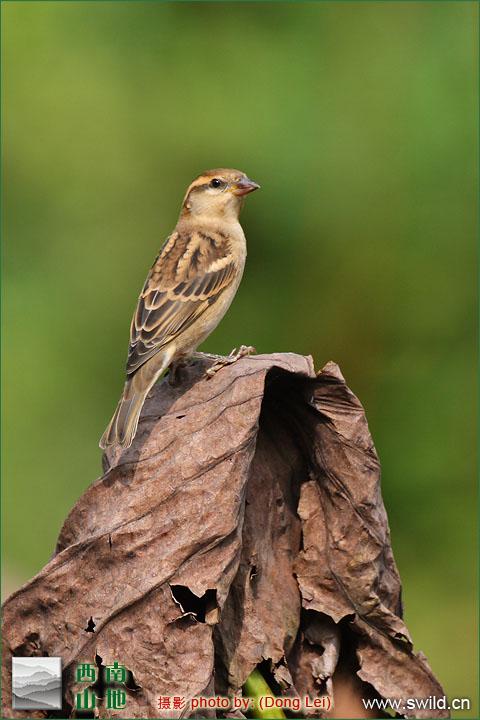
x: 188, y: 290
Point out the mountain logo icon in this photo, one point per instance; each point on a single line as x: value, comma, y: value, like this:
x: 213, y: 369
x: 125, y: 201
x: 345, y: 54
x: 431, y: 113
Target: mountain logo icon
x: 37, y: 683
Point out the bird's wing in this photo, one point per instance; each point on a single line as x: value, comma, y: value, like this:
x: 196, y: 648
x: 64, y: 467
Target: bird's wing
x: 190, y: 273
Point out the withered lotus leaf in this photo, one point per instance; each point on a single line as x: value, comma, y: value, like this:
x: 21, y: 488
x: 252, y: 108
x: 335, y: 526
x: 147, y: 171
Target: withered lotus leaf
x: 245, y: 526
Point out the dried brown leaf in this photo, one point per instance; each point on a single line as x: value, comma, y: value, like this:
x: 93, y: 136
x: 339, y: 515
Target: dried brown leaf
x: 244, y: 526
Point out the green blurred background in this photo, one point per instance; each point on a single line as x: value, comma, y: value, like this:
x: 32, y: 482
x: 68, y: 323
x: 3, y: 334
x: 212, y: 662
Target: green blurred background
x: 359, y: 120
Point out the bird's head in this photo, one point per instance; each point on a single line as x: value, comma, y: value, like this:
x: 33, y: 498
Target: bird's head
x: 218, y: 194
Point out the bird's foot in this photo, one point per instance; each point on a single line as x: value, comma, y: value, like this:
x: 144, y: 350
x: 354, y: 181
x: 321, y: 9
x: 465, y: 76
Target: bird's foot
x: 222, y: 361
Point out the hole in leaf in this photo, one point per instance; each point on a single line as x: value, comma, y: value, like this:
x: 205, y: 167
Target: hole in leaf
x: 98, y: 686
x: 200, y: 607
x: 90, y: 626
x: 130, y: 682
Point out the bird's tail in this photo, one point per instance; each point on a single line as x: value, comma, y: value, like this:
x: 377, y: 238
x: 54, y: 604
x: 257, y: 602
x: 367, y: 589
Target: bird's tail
x: 124, y: 423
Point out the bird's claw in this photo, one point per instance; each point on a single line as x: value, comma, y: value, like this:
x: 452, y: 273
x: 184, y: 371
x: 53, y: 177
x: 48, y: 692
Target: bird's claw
x: 243, y: 351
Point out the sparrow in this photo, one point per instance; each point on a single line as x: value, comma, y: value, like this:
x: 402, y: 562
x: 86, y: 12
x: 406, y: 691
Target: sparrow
x: 187, y: 292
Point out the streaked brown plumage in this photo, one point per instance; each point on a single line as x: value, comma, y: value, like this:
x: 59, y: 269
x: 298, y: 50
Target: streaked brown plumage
x: 187, y: 291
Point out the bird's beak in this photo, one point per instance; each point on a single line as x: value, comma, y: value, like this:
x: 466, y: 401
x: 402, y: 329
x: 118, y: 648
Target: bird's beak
x: 244, y: 186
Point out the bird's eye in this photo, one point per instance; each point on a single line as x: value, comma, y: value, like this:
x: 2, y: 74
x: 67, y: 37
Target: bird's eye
x: 216, y: 183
